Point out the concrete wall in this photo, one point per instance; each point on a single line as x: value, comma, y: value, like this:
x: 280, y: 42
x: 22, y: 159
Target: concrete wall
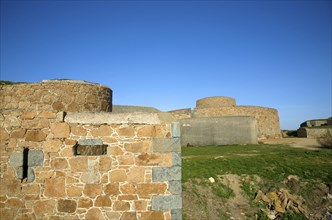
x: 268, y: 124
x: 139, y: 177
x: 131, y: 108
x: 56, y: 95
x: 218, y: 131
x: 312, y: 132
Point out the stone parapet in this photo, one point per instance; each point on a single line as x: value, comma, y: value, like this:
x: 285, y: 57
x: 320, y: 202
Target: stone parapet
x: 56, y: 95
x: 215, y: 102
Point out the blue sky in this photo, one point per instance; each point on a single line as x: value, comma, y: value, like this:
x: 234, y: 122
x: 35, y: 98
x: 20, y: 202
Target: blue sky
x: 168, y: 54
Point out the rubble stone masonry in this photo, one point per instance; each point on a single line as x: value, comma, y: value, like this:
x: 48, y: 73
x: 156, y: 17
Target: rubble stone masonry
x: 70, y: 165
x: 57, y: 95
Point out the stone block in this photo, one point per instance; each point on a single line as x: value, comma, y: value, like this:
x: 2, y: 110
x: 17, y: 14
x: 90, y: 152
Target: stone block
x: 112, y: 189
x: 151, y: 188
x: 103, y: 130
x: 44, y: 207
x: 155, y: 215
x: 31, y: 175
x: 67, y: 205
x: 103, y: 201
x: 118, y: 176
x: 138, y: 147
x: 176, y: 129
x: 164, y: 159
x: 60, y: 129
x: 55, y: 187
x: 35, y: 158
x: 16, y: 159
x: 176, y: 214
x: 105, y: 163
x: 126, y: 132
x: 166, y: 173
x: 175, y: 187
x: 121, y: 206
x: 94, y: 213
x: 177, y: 160
x: 59, y: 163
x: 78, y: 164
x: 92, y: 190
x: 52, y: 145
x: 166, y: 145
x: 166, y: 202
x: 136, y: 175
x: 92, y: 141
x: 128, y: 216
x: 18, y: 133
x: 84, y: 203
x: 35, y: 135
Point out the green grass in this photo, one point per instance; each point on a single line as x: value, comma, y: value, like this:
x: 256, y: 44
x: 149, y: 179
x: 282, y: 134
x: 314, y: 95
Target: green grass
x: 272, y: 162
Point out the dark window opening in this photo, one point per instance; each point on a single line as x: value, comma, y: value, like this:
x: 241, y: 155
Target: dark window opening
x: 25, y: 163
x: 90, y: 150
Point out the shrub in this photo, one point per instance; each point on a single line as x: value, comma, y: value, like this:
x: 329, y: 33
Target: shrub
x: 326, y: 140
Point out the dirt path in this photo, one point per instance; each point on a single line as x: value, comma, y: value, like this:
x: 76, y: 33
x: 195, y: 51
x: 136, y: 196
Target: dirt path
x: 308, y: 143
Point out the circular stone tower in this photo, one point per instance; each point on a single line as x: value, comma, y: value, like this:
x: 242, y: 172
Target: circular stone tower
x: 215, y: 102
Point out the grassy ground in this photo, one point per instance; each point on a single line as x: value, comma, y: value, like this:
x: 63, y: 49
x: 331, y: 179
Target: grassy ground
x: 271, y: 163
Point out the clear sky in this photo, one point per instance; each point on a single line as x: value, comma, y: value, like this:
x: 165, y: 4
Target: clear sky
x: 168, y: 54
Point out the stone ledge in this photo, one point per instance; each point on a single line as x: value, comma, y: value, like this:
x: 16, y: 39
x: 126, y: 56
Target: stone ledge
x: 114, y: 118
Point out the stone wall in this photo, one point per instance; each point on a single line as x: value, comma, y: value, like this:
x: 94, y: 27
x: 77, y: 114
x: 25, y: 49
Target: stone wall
x: 53, y: 165
x: 56, y: 95
x: 268, y: 124
x: 218, y: 131
x: 215, y: 102
x: 181, y: 113
x: 313, y: 132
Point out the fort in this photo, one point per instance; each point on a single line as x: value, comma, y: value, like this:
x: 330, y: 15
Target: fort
x: 68, y: 153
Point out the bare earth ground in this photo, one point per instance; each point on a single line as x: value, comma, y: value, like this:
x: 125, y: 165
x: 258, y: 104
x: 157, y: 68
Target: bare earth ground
x: 308, y: 143
x: 200, y: 203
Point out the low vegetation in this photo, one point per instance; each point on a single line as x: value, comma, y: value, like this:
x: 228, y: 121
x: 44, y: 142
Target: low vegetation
x: 253, y: 167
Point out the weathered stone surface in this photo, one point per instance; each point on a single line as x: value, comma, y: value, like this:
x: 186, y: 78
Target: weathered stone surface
x: 43, y: 207
x: 84, y: 203
x: 28, y: 115
x: 166, y: 173
x: 52, y: 145
x: 112, y: 189
x: 92, y: 190
x: 176, y: 129
x: 147, y: 131
x: 79, y: 164
x: 55, y: 187
x: 121, y: 206
x: 128, y: 188
x: 176, y: 214
x: 48, y: 115
x: 154, y: 215
x: 16, y: 159
x: 166, y: 145
x: 60, y: 129
x: 67, y: 205
x: 126, y: 160
x: 18, y: 133
x: 138, y: 147
x: 129, y: 216
x: 105, y: 163
x: 31, y: 189
x: 103, y: 130
x: 92, y: 176
x: 103, y: 201
x: 14, y: 203
x: 35, y: 135
x: 175, y: 187
x: 94, y: 213
x: 31, y: 175
x: 112, y: 118
x: 136, y: 175
x: 166, y: 202
x: 93, y: 150
x: 35, y: 158
x: 145, y: 159
x: 78, y: 130
x: 140, y: 205
x: 151, y: 188
x: 90, y: 141
x: 74, y: 191
x: 59, y: 163
x: 118, y: 176
x: 127, y: 197
x: 126, y: 132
